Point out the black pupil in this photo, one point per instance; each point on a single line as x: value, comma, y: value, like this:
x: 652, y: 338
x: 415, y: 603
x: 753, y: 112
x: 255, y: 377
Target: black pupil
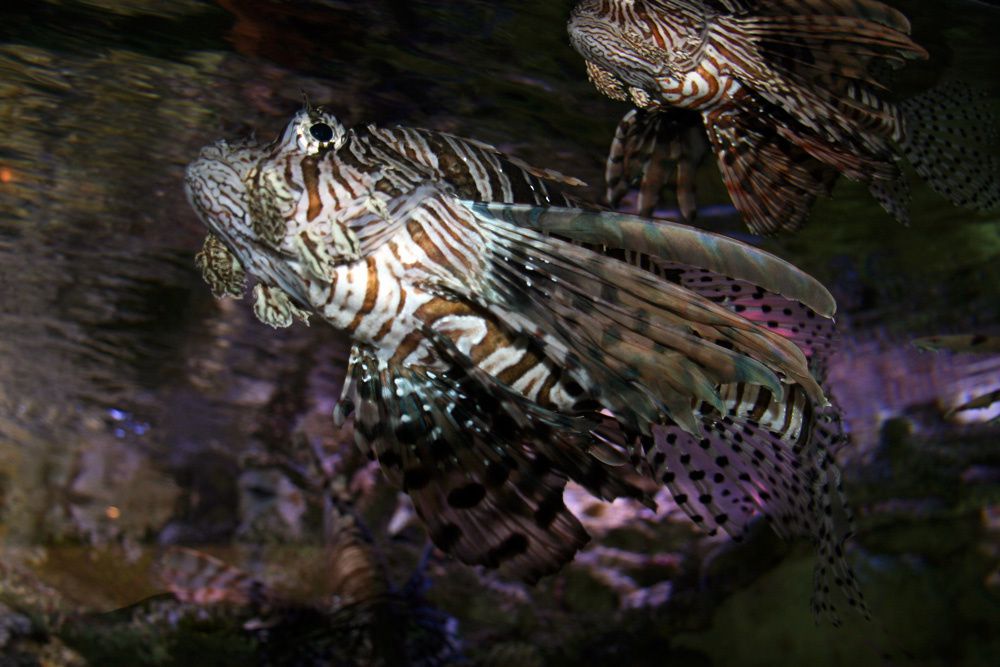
x: 321, y: 132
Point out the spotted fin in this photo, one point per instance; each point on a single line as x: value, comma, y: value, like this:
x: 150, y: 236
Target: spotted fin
x: 894, y: 196
x: 814, y: 334
x: 741, y: 467
x: 945, y: 132
x: 485, y: 467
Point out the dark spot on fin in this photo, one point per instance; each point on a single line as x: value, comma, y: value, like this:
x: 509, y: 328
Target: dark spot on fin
x: 415, y: 479
x: 467, y: 496
x: 514, y: 545
x: 447, y: 536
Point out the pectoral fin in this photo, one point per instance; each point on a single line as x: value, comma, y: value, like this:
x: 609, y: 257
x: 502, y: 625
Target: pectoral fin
x: 220, y: 268
x: 273, y: 307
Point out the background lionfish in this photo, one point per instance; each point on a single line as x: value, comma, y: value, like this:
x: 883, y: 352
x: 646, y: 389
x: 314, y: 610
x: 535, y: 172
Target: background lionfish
x: 969, y: 344
x: 787, y: 93
x: 494, y: 361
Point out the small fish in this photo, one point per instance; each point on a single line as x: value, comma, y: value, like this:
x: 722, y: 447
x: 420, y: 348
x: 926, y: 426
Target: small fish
x: 503, y: 344
x: 196, y: 577
x: 355, y: 624
x: 972, y: 343
x: 785, y: 94
x: 969, y: 344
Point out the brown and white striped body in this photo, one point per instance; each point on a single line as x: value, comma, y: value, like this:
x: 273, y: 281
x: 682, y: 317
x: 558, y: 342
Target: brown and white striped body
x: 704, y: 88
x: 380, y: 299
x: 380, y: 302
x: 493, y: 360
x: 695, y: 75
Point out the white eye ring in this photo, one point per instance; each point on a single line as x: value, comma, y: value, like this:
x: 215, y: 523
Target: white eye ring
x: 317, y: 132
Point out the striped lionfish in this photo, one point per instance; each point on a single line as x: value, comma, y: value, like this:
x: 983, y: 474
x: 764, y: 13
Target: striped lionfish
x: 496, y: 356
x: 786, y: 92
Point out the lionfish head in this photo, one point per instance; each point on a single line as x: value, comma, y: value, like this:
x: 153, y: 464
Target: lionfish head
x: 215, y: 184
x: 615, y: 45
x: 246, y: 192
x: 311, y: 131
x: 587, y: 27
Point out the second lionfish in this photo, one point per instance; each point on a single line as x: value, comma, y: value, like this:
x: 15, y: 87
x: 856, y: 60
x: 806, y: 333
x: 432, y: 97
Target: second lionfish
x: 493, y: 360
x: 786, y: 93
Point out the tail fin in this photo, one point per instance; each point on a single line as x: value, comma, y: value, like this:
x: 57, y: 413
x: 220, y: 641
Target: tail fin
x: 944, y: 132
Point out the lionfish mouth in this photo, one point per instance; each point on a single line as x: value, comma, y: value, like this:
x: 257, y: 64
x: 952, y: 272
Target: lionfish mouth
x: 215, y: 187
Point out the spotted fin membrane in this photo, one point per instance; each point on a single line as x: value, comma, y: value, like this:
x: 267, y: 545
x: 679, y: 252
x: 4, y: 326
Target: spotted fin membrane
x: 739, y: 468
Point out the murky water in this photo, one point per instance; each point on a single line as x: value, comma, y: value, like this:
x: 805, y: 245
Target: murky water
x: 136, y: 412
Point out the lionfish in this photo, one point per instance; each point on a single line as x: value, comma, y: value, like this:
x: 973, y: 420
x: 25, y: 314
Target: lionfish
x: 785, y: 94
x: 968, y: 344
x: 502, y: 346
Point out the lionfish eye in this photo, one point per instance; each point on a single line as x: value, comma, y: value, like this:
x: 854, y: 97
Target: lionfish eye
x: 321, y: 132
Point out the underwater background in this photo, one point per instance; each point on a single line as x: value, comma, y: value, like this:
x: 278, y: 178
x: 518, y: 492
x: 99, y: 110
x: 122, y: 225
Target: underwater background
x: 137, y: 412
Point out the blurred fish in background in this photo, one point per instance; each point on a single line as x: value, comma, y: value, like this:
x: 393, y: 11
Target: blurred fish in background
x: 979, y: 392
x: 789, y: 97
